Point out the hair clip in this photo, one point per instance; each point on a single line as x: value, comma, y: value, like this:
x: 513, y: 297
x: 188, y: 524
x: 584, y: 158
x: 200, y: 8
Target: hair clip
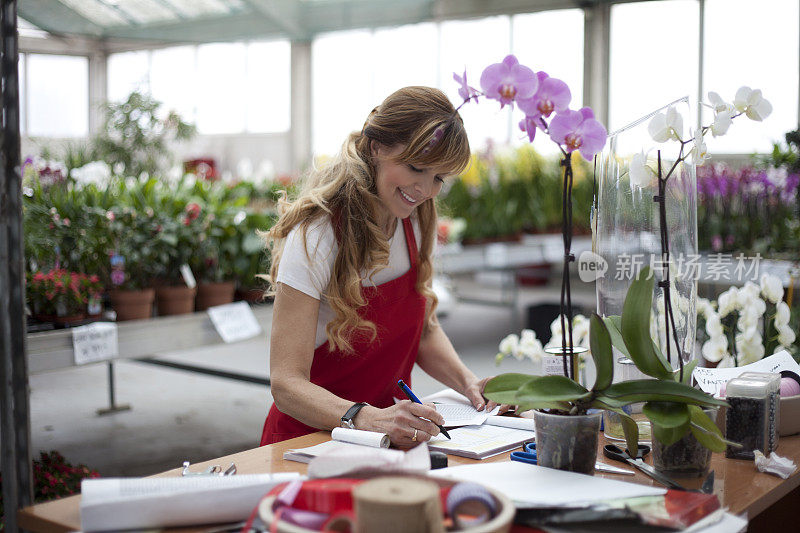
x: 438, y: 133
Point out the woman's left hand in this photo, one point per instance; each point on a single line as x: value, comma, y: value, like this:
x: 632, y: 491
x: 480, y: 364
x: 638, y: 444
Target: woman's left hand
x: 474, y: 392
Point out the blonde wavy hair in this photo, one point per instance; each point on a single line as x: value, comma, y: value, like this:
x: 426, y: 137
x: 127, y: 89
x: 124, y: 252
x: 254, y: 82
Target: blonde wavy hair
x: 425, y: 122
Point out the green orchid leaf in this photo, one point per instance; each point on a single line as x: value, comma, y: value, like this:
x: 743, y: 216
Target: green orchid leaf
x: 551, y: 389
x: 503, y: 388
x: 602, y: 353
x: 560, y: 406
x: 629, y: 426
x: 705, y: 430
x: 653, y: 390
x: 614, y: 325
x: 669, y: 436
x: 667, y: 414
x: 687, y: 372
x: 636, y: 327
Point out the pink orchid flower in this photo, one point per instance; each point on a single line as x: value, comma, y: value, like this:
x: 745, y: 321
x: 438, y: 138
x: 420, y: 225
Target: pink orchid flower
x: 552, y: 95
x: 465, y: 91
x: 508, y: 81
x: 578, y: 130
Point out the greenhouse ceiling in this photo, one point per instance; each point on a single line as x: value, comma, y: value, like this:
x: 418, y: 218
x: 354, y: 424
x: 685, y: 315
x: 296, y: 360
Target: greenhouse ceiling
x: 225, y: 20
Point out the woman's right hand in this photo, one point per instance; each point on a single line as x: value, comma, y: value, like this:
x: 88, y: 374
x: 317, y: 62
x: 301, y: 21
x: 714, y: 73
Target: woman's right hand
x: 402, y: 422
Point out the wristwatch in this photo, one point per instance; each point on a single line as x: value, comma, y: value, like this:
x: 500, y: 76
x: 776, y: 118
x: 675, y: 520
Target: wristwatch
x: 347, y: 419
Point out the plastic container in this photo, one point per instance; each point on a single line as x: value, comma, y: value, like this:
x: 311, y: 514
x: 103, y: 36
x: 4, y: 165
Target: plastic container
x: 753, y: 417
x: 684, y: 458
x: 567, y: 442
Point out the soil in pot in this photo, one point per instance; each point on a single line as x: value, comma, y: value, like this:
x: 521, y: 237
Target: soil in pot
x: 567, y: 442
x: 132, y: 305
x: 212, y: 294
x: 684, y: 458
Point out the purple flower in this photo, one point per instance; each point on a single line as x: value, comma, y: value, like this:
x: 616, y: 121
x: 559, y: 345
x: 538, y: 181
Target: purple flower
x: 117, y: 277
x: 578, y: 130
x: 465, y: 91
x: 716, y: 243
x: 552, y: 95
x: 508, y: 81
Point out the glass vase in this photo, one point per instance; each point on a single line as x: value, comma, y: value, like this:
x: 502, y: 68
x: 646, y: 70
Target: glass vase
x: 626, y: 230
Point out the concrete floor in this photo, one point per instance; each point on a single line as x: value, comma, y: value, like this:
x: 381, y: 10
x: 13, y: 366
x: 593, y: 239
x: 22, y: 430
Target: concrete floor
x: 177, y: 415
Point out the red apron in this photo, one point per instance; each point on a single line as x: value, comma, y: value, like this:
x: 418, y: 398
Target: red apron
x: 371, y: 373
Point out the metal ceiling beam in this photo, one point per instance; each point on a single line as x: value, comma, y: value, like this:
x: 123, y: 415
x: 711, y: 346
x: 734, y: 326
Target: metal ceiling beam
x: 248, y: 25
x: 284, y: 13
x: 56, y: 18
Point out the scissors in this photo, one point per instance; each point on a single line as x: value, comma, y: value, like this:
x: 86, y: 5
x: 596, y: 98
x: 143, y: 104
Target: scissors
x: 613, y: 452
x: 529, y: 457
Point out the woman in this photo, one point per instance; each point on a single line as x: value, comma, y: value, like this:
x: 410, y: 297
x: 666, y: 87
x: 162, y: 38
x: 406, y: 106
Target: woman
x: 351, y: 274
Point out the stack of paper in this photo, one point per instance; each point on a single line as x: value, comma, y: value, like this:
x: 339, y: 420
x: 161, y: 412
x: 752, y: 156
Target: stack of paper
x: 479, y: 442
x: 115, y: 504
x: 341, y: 439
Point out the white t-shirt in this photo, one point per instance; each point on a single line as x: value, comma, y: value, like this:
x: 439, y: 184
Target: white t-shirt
x: 310, y: 273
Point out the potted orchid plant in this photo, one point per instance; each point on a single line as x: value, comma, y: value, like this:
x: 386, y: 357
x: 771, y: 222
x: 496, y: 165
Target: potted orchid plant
x: 567, y: 433
x: 545, y: 101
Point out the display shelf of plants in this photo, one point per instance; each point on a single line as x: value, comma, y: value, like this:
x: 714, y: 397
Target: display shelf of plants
x: 107, y: 226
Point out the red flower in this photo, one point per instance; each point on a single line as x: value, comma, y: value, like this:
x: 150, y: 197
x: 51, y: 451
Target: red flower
x: 192, y: 211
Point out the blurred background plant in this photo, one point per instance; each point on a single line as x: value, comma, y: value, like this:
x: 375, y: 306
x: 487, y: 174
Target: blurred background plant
x: 504, y: 193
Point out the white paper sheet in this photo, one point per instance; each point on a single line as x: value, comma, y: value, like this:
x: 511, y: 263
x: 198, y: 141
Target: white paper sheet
x: 364, y: 438
x: 536, y: 486
x: 95, y: 342
x: 457, y: 414
x: 712, y: 379
x: 116, y: 504
x: 340, y: 460
x: 479, y: 442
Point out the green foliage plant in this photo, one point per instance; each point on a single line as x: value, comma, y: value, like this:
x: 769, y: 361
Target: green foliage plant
x: 671, y: 404
x: 135, y: 137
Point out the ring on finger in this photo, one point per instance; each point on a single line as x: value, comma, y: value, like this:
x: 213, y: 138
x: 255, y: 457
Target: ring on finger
x: 414, y: 438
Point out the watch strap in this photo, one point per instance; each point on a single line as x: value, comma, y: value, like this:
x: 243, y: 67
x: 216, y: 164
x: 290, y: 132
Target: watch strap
x: 347, y: 419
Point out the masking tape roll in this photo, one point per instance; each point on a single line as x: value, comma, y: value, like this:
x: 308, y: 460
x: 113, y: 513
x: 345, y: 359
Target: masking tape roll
x: 470, y: 504
x: 398, y: 505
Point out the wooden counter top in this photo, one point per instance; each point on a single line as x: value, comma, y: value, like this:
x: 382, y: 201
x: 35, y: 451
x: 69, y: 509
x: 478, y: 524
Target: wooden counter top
x: 739, y: 486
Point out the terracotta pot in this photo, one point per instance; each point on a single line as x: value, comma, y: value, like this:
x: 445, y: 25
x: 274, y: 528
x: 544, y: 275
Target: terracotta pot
x: 70, y: 319
x: 132, y: 305
x: 211, y: 294
x: 175, y: 300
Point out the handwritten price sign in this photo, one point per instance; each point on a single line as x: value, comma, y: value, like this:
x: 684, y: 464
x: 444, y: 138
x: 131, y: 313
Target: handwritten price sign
x: 234, y: 322
x: 95, y: 342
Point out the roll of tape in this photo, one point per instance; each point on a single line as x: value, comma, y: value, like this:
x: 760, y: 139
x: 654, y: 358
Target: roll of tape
x: 397, y: 504
x: 470, y: 504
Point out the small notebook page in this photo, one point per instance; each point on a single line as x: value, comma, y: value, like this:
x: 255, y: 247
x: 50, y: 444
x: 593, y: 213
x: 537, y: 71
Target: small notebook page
x: 456, y: 414
x: 478, y: 442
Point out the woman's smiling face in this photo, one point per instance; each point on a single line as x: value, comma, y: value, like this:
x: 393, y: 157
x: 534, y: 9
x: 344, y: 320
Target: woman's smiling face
x: 402, y: 186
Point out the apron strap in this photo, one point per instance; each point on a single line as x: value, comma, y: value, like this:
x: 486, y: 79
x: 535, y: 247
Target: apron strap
x: 411, y: 242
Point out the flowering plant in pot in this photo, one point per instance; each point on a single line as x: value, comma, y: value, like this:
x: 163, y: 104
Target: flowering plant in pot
x: 745, y: 324
x: 567, y: 433
x: 61, y: 295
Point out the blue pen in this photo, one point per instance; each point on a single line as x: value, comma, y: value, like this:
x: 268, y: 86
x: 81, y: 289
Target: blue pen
x: 413, y: 397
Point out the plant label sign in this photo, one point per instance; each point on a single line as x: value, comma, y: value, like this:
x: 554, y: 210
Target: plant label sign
x: 234, y: 322
x: 553, y: 365
x: 95, y: 342
x: 712, y: 379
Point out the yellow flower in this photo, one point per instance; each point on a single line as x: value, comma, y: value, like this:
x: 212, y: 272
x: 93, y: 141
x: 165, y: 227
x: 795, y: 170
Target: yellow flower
x: 476, y: 169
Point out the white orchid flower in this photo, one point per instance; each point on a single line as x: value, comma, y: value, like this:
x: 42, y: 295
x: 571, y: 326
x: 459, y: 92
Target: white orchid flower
x: 747, y: 294
x: 786, y: 336
x: 718, y: 104
x: 749, y: 346
x: 722, y: 121
x: 748, y: 319
x: 728, y: 301
x: 714, y: 326
x: 727, y: 362
x: 752, y: 103
x: 509, y: 345
x: 715, y: 349
x: 640, y: 174
x: 704, y: 307
x: 666, y: 126
x: 782, y: 314
x: 530, y: 346
x: 699, y: 150
x: 772, y: 288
